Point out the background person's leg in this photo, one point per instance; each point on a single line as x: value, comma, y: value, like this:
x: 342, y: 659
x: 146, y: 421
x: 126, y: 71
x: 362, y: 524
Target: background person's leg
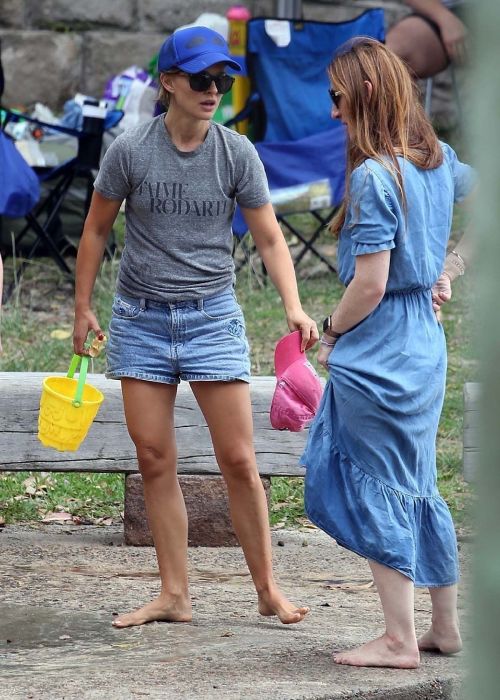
x: 227, y: 410
x: 149, y: 411
x: 415, y: 41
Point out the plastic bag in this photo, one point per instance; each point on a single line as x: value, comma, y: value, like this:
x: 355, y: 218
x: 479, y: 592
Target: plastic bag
x: 133, y: 91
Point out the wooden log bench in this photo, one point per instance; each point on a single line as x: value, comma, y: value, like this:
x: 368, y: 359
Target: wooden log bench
x: 108, y: 448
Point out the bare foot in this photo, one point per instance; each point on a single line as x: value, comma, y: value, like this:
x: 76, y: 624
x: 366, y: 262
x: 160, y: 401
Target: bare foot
x: 274, y: 603
x: 167, y: 609
x: 445, y: 641
x: 383, y: 651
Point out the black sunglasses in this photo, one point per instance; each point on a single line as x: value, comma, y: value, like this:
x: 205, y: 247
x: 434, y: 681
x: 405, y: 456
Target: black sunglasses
x: 335, y: 95
x: 200, y: 82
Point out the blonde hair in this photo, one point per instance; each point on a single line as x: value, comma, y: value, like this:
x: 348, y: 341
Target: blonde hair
x: 387, y: 123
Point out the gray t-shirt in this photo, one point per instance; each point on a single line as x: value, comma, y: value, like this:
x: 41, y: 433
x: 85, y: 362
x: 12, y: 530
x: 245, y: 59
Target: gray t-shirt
x: 179, y: 208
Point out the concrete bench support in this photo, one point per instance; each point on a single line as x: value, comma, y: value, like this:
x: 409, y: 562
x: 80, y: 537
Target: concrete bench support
x: 207, y: 508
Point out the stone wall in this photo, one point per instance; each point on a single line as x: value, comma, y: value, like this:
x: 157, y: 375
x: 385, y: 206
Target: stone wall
x: 52, y: 49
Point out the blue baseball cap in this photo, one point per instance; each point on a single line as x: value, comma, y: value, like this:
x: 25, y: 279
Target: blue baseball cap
x: 194, y: 49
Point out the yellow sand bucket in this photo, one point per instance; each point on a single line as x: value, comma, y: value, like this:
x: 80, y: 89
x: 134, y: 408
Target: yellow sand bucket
x: 67, y: 408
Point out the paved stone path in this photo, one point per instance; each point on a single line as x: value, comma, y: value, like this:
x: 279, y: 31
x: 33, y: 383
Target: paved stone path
x: 61, y: 586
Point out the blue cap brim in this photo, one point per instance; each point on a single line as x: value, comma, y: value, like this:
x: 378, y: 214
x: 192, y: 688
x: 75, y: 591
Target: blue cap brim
x: 200, y: 63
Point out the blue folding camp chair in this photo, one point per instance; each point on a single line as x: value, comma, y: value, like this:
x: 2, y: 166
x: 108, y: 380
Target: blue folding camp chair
x: 302, y: 149
x: 36, y: 195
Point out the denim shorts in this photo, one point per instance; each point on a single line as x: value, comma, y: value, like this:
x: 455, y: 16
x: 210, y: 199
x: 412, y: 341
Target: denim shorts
x: 197, y: 340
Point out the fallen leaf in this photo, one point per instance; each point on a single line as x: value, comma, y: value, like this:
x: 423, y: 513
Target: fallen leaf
x: 126, y: 645
x: 349, y: 585
x: 57, y: 517
x: 60, y: 334
x: 30, y: 486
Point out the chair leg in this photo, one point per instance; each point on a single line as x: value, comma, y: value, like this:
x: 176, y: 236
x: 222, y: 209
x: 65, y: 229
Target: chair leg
x: 308, y: 242
x: 43, y: 235
x: 456, y: 95
x: 456, y: 92
x: 428, y: 96
x: 50, y: 208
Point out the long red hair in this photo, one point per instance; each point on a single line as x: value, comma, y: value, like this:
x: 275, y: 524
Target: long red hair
x: 388, y: 123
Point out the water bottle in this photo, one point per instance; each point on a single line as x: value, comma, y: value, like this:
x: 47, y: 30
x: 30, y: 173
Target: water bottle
x: 238, y: 16
x: 90, y: 142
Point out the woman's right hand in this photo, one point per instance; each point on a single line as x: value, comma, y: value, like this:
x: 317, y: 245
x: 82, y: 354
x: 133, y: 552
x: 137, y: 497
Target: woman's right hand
x: 323, y: 355
x: 85, y: 321
x: 325, y: 348
x: 441, y: 291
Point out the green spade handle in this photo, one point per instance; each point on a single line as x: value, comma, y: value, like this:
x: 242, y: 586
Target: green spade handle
x: 77, y: 401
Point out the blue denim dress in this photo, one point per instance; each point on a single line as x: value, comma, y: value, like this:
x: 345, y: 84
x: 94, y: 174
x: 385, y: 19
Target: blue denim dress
x: 370, y: 456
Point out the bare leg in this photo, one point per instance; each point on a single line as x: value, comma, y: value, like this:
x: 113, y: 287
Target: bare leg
x: 443, y: 635
x: 227, y: 409
x: 416, y: 42
x: 149, y: 410
x: 397, y: 647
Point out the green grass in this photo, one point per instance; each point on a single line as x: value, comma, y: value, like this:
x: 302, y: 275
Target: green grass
x: 28, y: 496
x: 43, y: 304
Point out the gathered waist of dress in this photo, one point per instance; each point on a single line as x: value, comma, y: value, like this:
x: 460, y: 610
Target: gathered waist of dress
x: 409, y: 291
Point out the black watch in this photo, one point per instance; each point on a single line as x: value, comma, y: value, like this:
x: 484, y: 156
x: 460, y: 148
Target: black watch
x: 327, y: 328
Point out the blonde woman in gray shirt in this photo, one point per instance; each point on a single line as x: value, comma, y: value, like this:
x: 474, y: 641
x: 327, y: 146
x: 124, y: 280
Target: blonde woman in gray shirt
x: 175, y: 315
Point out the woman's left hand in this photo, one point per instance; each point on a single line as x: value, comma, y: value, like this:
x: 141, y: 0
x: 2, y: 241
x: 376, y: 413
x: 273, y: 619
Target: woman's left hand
x: 300, y: 321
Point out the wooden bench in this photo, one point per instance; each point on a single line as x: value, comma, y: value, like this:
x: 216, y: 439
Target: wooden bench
x: 108, y: 448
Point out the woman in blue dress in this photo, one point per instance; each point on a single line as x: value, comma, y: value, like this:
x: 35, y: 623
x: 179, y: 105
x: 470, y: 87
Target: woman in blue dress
x: 370, y: 457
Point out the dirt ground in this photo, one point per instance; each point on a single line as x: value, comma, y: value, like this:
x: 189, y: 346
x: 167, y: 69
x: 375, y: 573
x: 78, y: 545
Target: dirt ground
x: 61, y: 586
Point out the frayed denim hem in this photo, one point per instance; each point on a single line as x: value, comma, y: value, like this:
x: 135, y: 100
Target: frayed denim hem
x: 213, y: 378
x: 142, y: 376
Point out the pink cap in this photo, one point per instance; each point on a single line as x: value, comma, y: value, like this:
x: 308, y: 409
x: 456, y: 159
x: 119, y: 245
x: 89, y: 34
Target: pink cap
x: 298, y: 387
x: 287, y: 351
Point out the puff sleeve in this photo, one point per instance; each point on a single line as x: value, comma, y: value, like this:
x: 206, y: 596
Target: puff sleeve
x: 371, y: 220
x: 464, y: 177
